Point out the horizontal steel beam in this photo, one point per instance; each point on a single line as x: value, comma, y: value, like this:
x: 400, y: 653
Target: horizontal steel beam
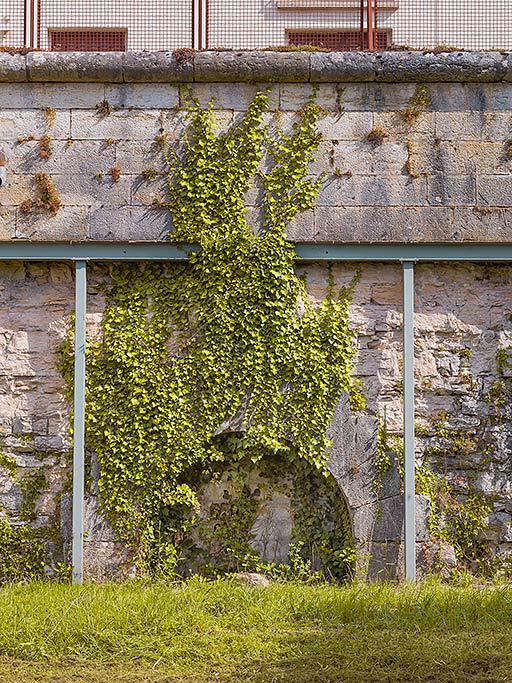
x: 165, y: 251
x: 450, y: 251
x: 94, y: 251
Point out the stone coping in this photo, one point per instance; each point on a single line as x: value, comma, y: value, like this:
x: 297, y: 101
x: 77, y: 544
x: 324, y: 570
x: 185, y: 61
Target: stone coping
x: 257, y: 66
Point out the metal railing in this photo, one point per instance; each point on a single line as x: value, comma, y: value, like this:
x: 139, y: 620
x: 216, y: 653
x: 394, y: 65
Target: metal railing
x: 251, y: 24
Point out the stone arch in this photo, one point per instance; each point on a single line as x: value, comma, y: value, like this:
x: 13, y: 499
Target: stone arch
x: 280, y: 507
x: 377, y: 507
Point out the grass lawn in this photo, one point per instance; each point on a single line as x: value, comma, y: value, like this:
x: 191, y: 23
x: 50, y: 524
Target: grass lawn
x: 220, y: 631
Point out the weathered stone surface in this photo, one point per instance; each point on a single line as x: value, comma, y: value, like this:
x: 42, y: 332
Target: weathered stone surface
x: 462, y: 125
x: 342, y: 67
x: 447, y: 190
x: 373, y: 191
x: 483, y: 225
x: 133, y: 223
x: 349, y: 126
x: 351, y: 454
x: 302, y: 228
x: 12, y: 68
x: 495, y: 190
x: 88, y: 67
x: 52, y: 95
x: 448, y: 66
x: 7, y: 223
x: 459, y: 158
x: 232, y: 96
x: 363, y: 158
x: 272, y: 529
x: 126, y: 125
x: 293, y: 96
x: 75, y: 190
x: 22, y: 123
x: 251, y: 66
x: 136, y: 156
x: 364, y: 224
x: 156, y: 67
x: 69, y: 224
x: 143, y: 96
x: 397, y: 128
x: 508, y: 72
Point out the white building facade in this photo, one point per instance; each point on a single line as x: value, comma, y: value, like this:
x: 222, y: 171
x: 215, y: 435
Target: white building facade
x: 250, y: 24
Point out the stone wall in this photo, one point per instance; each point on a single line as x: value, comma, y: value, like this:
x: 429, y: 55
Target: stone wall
x: 464, y: 318
x: 443, y: 175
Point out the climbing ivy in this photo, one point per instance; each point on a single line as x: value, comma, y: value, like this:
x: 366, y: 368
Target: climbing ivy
x: 232, y: 333
x: 22, y: 553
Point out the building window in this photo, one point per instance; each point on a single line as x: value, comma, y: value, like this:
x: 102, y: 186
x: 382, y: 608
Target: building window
x: 338, y: 40
x: 87, y: 39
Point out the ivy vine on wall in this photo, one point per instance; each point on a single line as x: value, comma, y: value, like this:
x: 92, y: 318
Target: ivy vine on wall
x: 186, y: 347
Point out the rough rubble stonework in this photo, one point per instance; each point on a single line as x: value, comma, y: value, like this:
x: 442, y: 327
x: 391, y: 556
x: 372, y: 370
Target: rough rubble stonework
x: 444, y: 176
x: 459, y: 307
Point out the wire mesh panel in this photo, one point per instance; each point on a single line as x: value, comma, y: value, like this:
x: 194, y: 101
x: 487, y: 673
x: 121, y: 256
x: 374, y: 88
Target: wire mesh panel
x: 249, y: 24
x: 98, y: 24
x: 465, y: 24
x: 12, y: 23
x: 336, y: 24
x: 115, y: 24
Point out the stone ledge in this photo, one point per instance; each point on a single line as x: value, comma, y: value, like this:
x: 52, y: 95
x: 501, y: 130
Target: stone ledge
x: 158, y: 67
x: 12, y: 68
x: 474, y: 67
x: 70, y: 67
x: 256, y: 66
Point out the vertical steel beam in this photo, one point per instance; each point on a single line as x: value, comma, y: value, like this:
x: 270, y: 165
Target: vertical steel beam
x: 200, y: 24
x: 369, y: 23
x: 361, y: 26
x: 409, y: 467
x: 204, y: 25
x: 79, y: 422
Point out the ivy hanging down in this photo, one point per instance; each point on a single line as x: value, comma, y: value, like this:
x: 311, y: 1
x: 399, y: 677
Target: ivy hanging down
x: 187, y: 347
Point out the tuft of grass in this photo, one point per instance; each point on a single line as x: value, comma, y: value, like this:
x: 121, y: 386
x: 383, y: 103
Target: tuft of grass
x: 296, y: 48
x: 45, y: 147
x: 202, y: 631
x: 184, y: 55
x: 104, y: 108
x: 377, y: 135
x: 409, y: 164
x: 47, y: 196
x: 49, y: 114
x: 417, y: 105
x: 150, y: 174
x: 115, y: 173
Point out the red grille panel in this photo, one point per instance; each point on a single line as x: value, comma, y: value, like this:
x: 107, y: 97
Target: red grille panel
x: 88, y: 40
x: 338, y: 40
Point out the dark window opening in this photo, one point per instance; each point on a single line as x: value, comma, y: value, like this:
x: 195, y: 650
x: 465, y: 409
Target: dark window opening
x: 88, y: 40
x: 343, y: 40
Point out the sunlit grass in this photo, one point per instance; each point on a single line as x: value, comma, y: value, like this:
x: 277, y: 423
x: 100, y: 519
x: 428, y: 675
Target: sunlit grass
x: 209, y: 631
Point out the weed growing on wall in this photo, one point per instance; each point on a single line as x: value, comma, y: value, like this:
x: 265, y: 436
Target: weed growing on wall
x: 186, y: 348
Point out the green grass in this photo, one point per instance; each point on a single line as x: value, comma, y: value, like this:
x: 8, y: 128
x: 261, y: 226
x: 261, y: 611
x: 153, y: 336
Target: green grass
x: 220, y: 631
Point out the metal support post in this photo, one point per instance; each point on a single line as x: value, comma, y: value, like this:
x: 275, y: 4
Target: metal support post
x: 409, y: 466
x: 79, y: 422
x: 200, y: 24
x: 31, y: 24
x: 369, y: 23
